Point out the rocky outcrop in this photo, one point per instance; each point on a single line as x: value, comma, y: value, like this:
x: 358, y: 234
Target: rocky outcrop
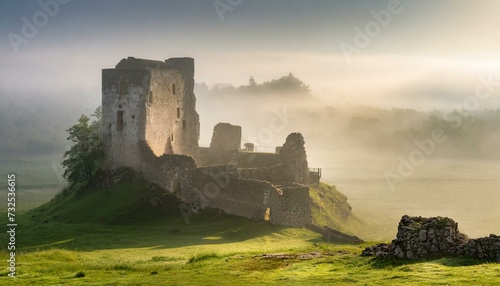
x: 420, y: 237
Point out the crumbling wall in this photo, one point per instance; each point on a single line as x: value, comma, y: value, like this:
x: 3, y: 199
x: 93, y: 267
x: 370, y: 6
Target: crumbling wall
x: 208, y: 156
x: 256, y: 160
x: 294, y: 159
x: 150, y: 124
x: 222, y: 188
x: 293, y: 166
x: 243, y: 197
x: 292, y: 207
x: 210, y: 180
x: 420, y: 237
x: 173, y: 173
x: 226, y: 137
x: 482, y: 248
x: 274, y: 174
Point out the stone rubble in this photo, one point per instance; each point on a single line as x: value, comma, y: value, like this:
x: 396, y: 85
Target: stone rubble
x: 434, y: 237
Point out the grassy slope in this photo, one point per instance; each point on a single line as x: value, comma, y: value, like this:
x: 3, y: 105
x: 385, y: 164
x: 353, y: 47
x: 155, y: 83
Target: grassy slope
x: 115, y: 237
x: 330, y: 208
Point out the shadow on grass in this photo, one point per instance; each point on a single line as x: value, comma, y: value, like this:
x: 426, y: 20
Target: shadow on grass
x: 124, y: 216
x: 171, y: 232
x: 379, y: 263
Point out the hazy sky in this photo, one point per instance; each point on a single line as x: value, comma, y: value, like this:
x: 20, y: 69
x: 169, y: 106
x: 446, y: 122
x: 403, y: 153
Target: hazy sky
x: 426, y: 54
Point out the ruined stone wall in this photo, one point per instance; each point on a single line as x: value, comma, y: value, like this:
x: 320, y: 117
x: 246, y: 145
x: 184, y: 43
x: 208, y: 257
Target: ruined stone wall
x: 482, y: 248
x: 150, y: 125
x: 226, y: 137
x: 294, y: 159
x: 123, y: 115
x: 292, y: 166
x: 274, y: 174
x: 210, y: 180
x: 420, y: 237
x: 257, y: 160
x: 173, y: 173
x: 222, y: 188
x: 292, y: 207
x: 208, y: 156
x: 244, y: 198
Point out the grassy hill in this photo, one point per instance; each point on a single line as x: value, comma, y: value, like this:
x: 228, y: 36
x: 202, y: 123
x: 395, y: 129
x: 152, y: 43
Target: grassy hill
x: 130, y: 234
x: 331, y: 208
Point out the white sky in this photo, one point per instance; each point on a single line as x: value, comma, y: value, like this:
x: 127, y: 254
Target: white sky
x: 429, y: 55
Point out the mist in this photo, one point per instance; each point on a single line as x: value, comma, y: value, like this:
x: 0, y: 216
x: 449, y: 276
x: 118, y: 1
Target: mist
x: 407, y: 125
x: 389, y: 162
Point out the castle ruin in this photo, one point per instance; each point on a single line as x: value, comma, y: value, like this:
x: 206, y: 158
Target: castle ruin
x: 150, y: 125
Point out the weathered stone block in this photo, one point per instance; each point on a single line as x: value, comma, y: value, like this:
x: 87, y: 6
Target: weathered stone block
x: 226, y: 137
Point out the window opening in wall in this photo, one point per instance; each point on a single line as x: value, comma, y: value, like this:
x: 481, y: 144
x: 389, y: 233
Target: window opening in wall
x: 119, y: 120
x: 267, y: 215
x: 150, y: 97
x: 122, y: 87
x: 173, y: 88
x: 178, y: 112
x: 183, y: 124
x: 133, y: 117
x: 172, y: 137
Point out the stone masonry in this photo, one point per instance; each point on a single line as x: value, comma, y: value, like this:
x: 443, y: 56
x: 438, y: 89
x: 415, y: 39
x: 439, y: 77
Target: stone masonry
x: 152, y: 101
x: 150, y: 125
x: 435, y: 237
x: 226, y: 137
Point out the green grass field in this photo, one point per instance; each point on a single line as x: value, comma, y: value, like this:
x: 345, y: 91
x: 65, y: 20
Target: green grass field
x: 38, y: 180
x: 114, y: 236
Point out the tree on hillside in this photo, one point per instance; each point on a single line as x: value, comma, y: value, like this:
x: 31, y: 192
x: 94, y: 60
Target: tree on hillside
x: 83, y: 158
x: 287, y: 83
x: 252, y: 82
x: 97, y: 121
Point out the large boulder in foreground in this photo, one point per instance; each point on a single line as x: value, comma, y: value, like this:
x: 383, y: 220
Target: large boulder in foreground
x: 420, y: 237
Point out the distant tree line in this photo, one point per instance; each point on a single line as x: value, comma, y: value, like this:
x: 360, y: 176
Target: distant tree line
x: 285, y: 85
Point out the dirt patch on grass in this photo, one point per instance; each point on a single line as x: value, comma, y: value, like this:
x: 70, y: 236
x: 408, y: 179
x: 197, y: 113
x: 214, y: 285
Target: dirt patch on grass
x: 273, y: 261
x: 301, y: 256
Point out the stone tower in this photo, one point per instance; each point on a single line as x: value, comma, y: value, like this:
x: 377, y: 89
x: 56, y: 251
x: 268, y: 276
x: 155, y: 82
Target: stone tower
x: 294, y: 159
x: 151, y: 101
